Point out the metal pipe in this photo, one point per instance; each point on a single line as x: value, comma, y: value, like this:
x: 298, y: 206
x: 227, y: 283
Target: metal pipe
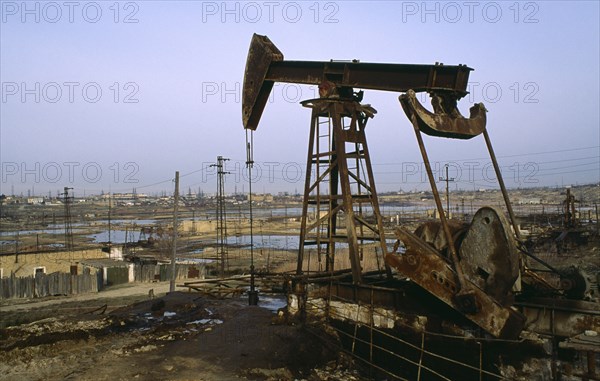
x: 421, y: 356
x: 438, y: 203
x: 252, y: 294
x: 511, y: 214
x: 303, y: 223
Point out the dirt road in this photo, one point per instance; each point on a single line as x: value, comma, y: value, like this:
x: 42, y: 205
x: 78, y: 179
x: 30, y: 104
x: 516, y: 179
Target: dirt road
x: 179, y: 336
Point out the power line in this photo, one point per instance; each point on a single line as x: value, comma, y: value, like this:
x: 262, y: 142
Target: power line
x: 467, y: 162
x: 537, y: 153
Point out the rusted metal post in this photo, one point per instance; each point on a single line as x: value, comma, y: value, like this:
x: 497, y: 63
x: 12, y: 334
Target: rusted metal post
x: 253, y: 293
x: 311, y: 140
x: 480, y: 361
x: 511, y: 214
x: 334, y: 179
x: 375, y: 201
x: 467, y: 303
x: 591, y: 364
x: 342, y: 164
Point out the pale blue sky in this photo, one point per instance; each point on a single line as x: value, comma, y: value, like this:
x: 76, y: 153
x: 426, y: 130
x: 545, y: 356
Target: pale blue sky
x: 183, y: 62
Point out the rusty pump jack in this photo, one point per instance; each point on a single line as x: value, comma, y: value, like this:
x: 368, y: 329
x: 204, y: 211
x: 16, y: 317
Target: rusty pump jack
x: 339, y: 155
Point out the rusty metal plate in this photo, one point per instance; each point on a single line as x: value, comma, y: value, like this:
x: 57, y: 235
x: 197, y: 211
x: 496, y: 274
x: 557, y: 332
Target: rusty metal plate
x: 560, y: 317
x: 261, y: 54
x: 448, y: 124
x: 424, y: 266
x: 488, y: 254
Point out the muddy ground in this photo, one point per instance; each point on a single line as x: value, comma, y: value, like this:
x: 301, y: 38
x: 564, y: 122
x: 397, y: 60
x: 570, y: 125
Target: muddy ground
x: 124, y: 334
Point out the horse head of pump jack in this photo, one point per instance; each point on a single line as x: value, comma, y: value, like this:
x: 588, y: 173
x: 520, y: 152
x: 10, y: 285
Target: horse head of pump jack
x: 338, y: 79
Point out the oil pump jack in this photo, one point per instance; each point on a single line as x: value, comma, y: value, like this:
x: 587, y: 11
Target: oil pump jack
x: 473, y: 270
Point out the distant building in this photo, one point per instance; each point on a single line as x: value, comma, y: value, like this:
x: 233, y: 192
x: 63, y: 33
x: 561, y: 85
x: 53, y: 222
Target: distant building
x: 266, y: 197
x: 35, y: 200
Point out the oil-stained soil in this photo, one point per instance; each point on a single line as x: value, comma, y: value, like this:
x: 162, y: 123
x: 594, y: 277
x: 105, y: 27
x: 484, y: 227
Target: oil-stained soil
x: 179, y: 336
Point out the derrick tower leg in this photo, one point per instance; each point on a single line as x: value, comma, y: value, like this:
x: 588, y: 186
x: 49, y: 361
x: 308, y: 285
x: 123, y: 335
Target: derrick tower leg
x: 340, y: 201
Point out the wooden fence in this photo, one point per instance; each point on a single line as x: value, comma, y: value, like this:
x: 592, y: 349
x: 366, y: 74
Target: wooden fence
x: 162, y: 272
x: 66, y: 284
x: 47, y: 285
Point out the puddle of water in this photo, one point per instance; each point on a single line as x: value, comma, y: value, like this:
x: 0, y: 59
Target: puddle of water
x: 127, y: 222
x: 269, y: 302
x: 286, y: 242
x: 272, y: 303
x: 206, y: 321
x: 197, y: 260
x: 62, y: 226
x: 266, y: 241
x: 116, y: 236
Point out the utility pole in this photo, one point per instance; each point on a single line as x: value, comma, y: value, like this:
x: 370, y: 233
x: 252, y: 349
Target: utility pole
x: 125, y: 249
x: 447, y: 180
x: 252, y: 294
x: 570, y: 215
x: 17, y: 248
x: 221, y: 216
x: 132, y: 238
x: 68, y: 227
x: 109, y: 227
x: 174, y: 253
